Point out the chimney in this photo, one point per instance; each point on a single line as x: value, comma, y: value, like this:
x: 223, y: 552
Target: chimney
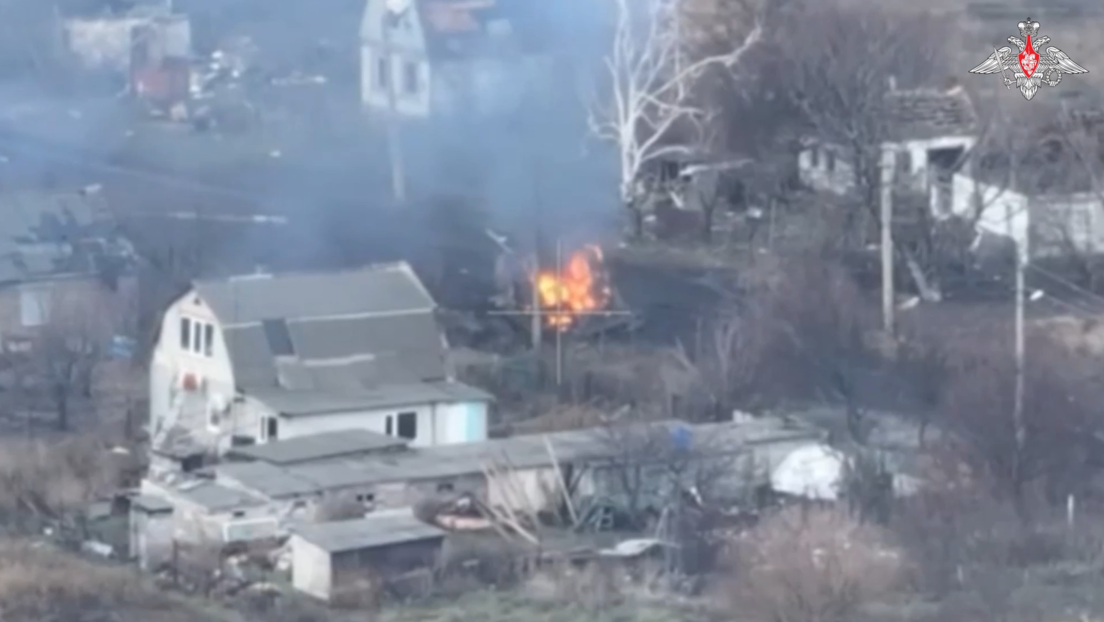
x: 892, y: 83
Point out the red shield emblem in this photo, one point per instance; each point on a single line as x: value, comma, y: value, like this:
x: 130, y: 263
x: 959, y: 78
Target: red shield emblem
x: 1029, y: 59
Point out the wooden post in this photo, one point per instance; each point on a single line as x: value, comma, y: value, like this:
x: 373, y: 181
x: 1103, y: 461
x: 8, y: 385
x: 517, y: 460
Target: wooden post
x: 888, y: 291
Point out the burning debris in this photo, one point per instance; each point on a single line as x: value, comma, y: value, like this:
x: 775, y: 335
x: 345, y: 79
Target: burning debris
x: 576, y: 289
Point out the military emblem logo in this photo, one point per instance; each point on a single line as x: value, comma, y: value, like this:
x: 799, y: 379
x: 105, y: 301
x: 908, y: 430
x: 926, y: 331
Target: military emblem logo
x: 1035, y: 69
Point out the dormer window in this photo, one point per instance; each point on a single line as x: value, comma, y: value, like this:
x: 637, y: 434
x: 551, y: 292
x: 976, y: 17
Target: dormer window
x: 197, y: 336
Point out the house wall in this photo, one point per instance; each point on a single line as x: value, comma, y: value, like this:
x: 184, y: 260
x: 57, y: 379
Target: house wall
x: 403, y: 42
x: 83, y: 299
x: 151, y: 538
x: 311, y: 569
x: 350, y: 569
x: 821, y: 173
x: 171, y: 362
x: 438, y: 424
x: 1003, y: 211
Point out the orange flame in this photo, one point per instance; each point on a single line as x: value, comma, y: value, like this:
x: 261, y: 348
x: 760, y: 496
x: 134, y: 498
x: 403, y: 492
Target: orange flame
x: 574, y: 290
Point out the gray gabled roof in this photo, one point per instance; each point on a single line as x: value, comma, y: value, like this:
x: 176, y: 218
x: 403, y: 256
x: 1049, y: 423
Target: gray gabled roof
x: 345, y: 329
x: 380, y: 289
x: 386, y: 528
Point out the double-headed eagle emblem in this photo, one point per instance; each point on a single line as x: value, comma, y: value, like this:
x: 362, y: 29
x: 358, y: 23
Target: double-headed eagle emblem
x: 1035, y: 69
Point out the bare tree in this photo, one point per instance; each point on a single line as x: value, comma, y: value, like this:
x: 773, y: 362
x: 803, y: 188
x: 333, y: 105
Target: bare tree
x: 1060, y: 412
x: 58, y: 366
x: 819, y: 326
x: 650, y: 100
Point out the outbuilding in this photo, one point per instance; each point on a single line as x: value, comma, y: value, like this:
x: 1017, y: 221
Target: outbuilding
x: 329, y: 559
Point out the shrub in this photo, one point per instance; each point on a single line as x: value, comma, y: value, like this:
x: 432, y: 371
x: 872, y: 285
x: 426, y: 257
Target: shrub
x: 814, y: 565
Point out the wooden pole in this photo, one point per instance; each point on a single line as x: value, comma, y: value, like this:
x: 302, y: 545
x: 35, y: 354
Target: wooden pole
x: 394, y: 148
x: 888, y: 291
x: 559, y: 316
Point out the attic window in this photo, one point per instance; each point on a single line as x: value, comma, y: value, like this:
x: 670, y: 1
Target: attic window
x: 278, y: 337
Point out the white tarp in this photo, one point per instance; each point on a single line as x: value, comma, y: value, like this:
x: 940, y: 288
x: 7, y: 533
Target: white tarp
x: 814, y: 472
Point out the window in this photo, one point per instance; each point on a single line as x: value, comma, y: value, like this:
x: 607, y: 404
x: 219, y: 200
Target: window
x: 185, y: 333
x: 366, y: 499
x: 389, y: 425
x: 270, y: 428
x: 239, y: 514
x: 34, y: 306
x: 831, y: 156
x: 208, y: 339
x: 814, y: 155
x: 410, y: 77
x: 408, y: 425
x: 383, y: 73
x: 197, y: 337
x: 445, y: 487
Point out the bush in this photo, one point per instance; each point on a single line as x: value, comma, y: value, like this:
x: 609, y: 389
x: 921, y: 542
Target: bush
x: 814, y: 565
x: 42, y: 585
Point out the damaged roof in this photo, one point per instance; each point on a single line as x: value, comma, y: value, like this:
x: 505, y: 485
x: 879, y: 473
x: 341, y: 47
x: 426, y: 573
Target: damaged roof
x: 327, y: 331
x: 44, y: 234
x: 930, y: 113
x: 463, y: 28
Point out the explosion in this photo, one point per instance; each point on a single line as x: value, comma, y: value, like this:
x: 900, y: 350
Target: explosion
x: 576, y: 289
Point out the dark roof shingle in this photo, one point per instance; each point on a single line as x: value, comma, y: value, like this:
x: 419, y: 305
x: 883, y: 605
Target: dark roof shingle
x: 929, y: 113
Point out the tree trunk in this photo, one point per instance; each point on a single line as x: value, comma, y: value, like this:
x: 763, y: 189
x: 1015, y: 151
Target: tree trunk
x: 636, y: 214
x: 707, y: 225
x: 61, y: 403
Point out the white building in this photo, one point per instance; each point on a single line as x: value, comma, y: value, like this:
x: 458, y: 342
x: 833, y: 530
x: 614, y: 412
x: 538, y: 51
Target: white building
x: 422, y: 58
x: 930, y: 134
x: 253, y: 359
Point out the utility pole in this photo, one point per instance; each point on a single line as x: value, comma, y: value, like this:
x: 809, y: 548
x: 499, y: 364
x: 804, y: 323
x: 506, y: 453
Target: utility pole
x: 1020, y: 352
x: 888, y: 293
x: 394, y: 148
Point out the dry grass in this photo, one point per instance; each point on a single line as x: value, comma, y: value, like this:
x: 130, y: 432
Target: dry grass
x: 52, y: 481
x: 38, y: 584
x: 813, y: 565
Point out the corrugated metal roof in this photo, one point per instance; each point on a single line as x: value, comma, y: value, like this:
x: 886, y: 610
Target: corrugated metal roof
x: 266, y: 479
x: 216, y: 498
x: 319, y: 446
x: 298, y: 403
x: 378, y: 529
x: 351, y: 329
x: 523, y: 452
x: 377, y: 289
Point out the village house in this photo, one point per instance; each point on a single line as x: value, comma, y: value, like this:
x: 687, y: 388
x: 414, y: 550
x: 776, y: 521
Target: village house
x: 272, y: 490
x: 62, y: 267
x: 424, y: 58
x: 929, y: 134
x: 144, y: 41
x: 265, y: 357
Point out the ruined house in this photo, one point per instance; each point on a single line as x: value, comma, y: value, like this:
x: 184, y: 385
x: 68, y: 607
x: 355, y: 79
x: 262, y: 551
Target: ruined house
x: 62, y: 264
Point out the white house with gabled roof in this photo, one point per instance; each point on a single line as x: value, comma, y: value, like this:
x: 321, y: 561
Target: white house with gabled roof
x: 252, y: 359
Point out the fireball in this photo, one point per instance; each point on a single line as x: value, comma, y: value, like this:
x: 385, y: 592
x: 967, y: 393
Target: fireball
x: 574, y: 291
